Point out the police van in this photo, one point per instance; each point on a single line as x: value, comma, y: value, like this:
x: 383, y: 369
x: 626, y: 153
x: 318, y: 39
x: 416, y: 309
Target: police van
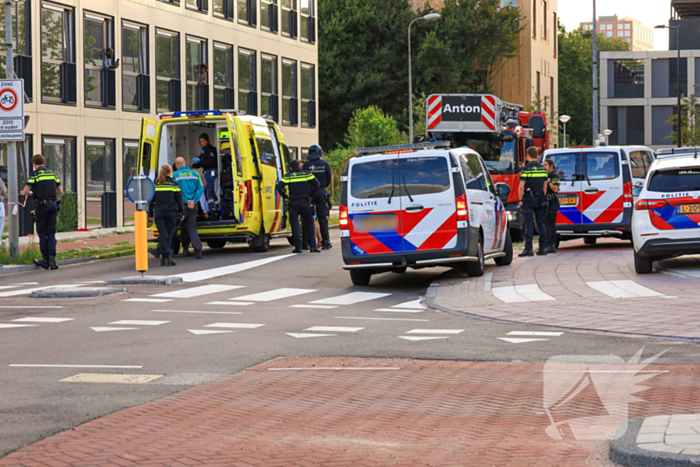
x: 252, y: 156
x: 420, y: 205
x: 596, y: 190
x: 667, y: 213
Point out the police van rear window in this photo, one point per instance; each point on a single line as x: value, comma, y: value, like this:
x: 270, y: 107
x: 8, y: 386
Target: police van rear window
x: 374, y: 179
x: 672, y: 181
x: 424, y: 175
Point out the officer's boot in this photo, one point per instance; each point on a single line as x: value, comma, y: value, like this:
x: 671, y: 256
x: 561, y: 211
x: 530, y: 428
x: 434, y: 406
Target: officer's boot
x: 171, y: 262
x: 163, y: 260
x: 186, y: 252
x: 43, y: 263
x: 52, y: 262
x: 155, y: 252
x: 198, y: 254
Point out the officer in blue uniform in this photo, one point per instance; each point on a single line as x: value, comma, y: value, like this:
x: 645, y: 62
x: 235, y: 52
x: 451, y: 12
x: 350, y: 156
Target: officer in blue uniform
x: 532, y: 201
x: 302, y: 185
x: 208, y: 161
x: 552, y: 205
x: 322, y: 171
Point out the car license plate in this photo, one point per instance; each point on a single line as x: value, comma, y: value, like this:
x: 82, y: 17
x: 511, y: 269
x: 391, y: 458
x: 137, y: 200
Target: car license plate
x: 689, y: 209
x: 568, y: 201
x: 376, y: 223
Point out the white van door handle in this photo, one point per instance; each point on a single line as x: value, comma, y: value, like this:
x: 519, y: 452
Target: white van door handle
x: 417, y: 207
x: 592, y: 190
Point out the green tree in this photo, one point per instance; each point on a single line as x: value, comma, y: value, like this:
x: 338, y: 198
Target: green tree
x: 690, y: 121
x: 575, y: 72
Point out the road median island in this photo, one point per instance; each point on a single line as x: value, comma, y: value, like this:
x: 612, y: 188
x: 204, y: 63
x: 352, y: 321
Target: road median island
x: 76, y: 292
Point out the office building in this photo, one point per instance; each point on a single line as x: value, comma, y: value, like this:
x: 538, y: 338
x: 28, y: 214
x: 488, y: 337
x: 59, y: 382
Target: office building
x: 639, y: 37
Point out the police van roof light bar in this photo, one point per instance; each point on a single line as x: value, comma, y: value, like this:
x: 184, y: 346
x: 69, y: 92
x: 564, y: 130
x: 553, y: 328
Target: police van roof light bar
x: 402, y: 147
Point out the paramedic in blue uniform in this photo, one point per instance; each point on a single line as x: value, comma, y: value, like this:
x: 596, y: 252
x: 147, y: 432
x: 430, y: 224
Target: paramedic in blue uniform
x: 45, y: 187
x: 299, y: 186
x: 191, y: 186
x: 533, y: 202
x: 552, y: 205
x: 322, y: 171
x: 208, y: 161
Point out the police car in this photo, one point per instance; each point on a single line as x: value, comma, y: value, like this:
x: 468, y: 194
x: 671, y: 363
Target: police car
x: 666, y: 221
x: 421, y: 205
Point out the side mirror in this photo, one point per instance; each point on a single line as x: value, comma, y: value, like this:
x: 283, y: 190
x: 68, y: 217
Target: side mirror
x: 637, y: 188
x: 502, y: 190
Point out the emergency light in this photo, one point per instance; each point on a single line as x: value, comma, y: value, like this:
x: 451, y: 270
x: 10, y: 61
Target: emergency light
x: 402, y: 148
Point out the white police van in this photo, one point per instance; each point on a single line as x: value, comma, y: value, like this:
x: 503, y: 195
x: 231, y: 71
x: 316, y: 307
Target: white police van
x: 420, y: 205
x: 666, y: 221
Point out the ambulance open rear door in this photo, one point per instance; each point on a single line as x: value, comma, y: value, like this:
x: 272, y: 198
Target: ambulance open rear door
x: 147, y: 144
x: 269, y: 164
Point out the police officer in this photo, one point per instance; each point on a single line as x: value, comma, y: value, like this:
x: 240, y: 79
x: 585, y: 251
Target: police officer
x: 166, y: 208
x: 302, y: 185
x: 532, y: 201
x: 322, y: 171
x: 208, y: 161
x: 552, y: 205
x: 45, y: 187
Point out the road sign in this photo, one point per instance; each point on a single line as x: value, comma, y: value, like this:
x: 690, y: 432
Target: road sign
x: 140, y: 190
x: 11, y: 110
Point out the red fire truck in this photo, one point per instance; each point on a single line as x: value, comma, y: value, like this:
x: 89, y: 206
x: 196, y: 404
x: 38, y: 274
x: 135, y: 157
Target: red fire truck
x: 493, y: 128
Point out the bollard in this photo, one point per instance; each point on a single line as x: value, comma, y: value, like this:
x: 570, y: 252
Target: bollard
x: 141, y: 241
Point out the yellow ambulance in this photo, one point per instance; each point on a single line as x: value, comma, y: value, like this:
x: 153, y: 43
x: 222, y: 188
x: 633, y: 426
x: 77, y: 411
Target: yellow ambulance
x: 252, y: 157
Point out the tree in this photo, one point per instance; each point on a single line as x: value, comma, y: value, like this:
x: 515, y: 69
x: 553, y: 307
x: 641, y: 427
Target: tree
x: 575, y: 73
x: 690, y: 121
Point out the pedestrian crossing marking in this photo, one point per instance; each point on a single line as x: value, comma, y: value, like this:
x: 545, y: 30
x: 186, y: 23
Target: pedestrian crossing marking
x: 435, y: 331
x: 199, y: 332
x: 303, y: 335
x: 198, y: 291
x: 422, y: 338
x: 234, y: 325
x: 350, y: 298
x: 520, y: 340
x: 322, y: 307
x: 396, y: 310
x: 231, y: 303
x: 14, y: 293
x: 4, y: 287
x: 199, y: 312
x: 521, y: 294
x: 623, y: 289
x: 332, y: 329
x: 148, y: 300
x: 107, y: 329
x: 30, y: 319
x: 271, y: 295
x: 534, y: 333
x: 10, y: 326
x: 381, y: 319
x: 139, y: 322
x: 413, y: 304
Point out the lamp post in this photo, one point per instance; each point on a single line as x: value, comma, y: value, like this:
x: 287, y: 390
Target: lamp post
x: 595, y: 73
x: 430, y: 17
x: 678, y: 80
x: 607, y: 134
x: 564, y: 119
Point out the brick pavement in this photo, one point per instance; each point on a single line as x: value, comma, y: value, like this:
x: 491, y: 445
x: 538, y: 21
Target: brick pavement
x: 426, y: 413
x: 564, y: 276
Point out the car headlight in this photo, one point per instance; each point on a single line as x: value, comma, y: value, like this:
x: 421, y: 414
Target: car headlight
x: 510, y: 215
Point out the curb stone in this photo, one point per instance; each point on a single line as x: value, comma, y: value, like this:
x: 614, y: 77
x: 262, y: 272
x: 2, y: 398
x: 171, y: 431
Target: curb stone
x: 76, y: 292
x: 31, y: 267
x: 624, y: 451
x: 138, y: 280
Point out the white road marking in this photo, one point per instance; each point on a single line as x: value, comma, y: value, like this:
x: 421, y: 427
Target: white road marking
x: 421, y: 338
x: 199, y: 312
x: 623, y: 289
x: 396, y: 310
x: 351, y: 298
x: 198, y: 291
x: 25, y: 283
x: 3, y: 287
x: 336, y: 368
x: 107, y: 329
x: 148, y: 300
x: 9, y: 326
x: 231, y: 303
x: 435, y: 331
x: 110, y: 378
x: 199, y: 332
x: 323, y: 307
x: 22, y: 307
x: 520, y: 294
x: 271, y: 295
x: 303, y: 335
x: 413, y: 304
x: 41, y: 320
x: 381, y: 319
x: 223, y: 271
x: 332, y: 329
x: 13, y: 293
x: 139, y: 322
x: 535, y: 333
x: 23, y: 365
x: 234, y: 325
x: 90, y: 282
x: 520, y: 340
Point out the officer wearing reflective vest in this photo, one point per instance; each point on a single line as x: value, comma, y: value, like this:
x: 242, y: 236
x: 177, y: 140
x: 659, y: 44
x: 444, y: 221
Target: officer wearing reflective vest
x: 299, y: 186
x: 166, y: 208
x: 45, y: 188
x: 533, y: 202
x: 192, y: 189
x: 322, y: 171
x: 552, y: 205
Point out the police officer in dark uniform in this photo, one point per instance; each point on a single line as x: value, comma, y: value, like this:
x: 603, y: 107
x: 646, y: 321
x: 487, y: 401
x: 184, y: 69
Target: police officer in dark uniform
x: 552, y: 205
x: 532, y: 201
x: 322, y: 171
x: 302, y: 185
x: 45, y: 187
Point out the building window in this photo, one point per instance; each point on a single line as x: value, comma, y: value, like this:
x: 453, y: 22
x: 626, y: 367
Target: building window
x: 21, y: 42
x: 289, y: 18
x: 294, y: 154
x: 222, y: 74
x: 620, y: 25
x: 130, y: 160
x: 100, y: 61
x: 608, y: 27
x: 627, y: 124
x: 246, y: 12
x: 308, y: 21
x: 269, y: 14
x: 59, y: 153
x: 269, y: 87
x: 290, y: 101
x: 627, y: 34
x: 197, y: 5
x: 628, y: 78
x: 58, y: 70
x: 167, y: 71
x: 197, y: 87
x: 537, y: 88
x: 223, y: 9
x: 555, y: 35
x: 609, y: 34
x: 308, y: 95
x: 627, y: 25
x: 100, y: 179
x: 172, y: 2
x: 534, y: 19
x: 247, y: 81
x: 135, y: 79
x: 544, y: 17
x: 659, y: 130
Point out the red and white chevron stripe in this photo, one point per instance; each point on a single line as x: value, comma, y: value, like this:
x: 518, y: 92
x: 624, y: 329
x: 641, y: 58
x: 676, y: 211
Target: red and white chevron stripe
x: 434, y: 111
x: 488, y: 111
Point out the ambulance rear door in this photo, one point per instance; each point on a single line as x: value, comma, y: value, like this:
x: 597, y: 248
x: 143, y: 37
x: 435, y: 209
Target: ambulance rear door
x: 284, y: 157
x: 269, y: 164
x: 147, y: 146
x: 240, y: 207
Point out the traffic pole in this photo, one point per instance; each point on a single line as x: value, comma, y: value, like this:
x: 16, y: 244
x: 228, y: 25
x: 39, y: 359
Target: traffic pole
x: 141, y: 241
x: 12, y: 188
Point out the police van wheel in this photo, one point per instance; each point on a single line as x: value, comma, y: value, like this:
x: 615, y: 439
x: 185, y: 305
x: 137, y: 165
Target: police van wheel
x: 643, y: 265
x: 360, y: 277
x: 476, y: 268
x: 216, y: 243
x: 261, y: 243
x: 589, y: 240
x: 508, y: 250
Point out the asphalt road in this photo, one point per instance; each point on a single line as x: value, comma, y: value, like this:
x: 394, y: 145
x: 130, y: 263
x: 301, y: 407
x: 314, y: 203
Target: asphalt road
x: 275, y: 305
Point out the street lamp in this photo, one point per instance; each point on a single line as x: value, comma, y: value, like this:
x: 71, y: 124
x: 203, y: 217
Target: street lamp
x: 564, y: 119
x: 678, y: 78
x: 430, y: 17
x: 607, y: 134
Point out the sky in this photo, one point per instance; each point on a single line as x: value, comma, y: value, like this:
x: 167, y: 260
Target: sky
x: 649, y: 12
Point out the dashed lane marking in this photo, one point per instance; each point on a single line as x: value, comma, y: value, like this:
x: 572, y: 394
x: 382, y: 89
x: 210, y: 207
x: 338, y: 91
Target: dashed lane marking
x: 320, y: 307
x: 332, y: 329
x: 350, y: 299
x: 231, y: 303
x: 138, y: 322
x: 198, y: 291
x: 223, y: 271
x: 623, y: 289
x: 271, y: 295
x: 435, y: 331
x: 381, y: 319
x: 10, y: 326
x: 534, y: 333
x: 107, y: 329
x: 422, y: 338
x: 396, y: 310
x: 31, y: 319
x: 42, y: 365
x: 234, y: 325
x: 148, y: 300
x: 520, y: 340
x: 304, y: 335
x: 199, y: 332
x: 199, y: 312
x: 520, y: 294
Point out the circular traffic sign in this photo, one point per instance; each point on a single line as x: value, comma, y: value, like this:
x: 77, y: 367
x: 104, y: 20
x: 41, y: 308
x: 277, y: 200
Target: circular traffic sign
x: 8, y: 99
x: 140, y: 189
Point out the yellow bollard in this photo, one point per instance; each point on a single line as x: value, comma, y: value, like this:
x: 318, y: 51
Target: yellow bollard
x: 141, y: 240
